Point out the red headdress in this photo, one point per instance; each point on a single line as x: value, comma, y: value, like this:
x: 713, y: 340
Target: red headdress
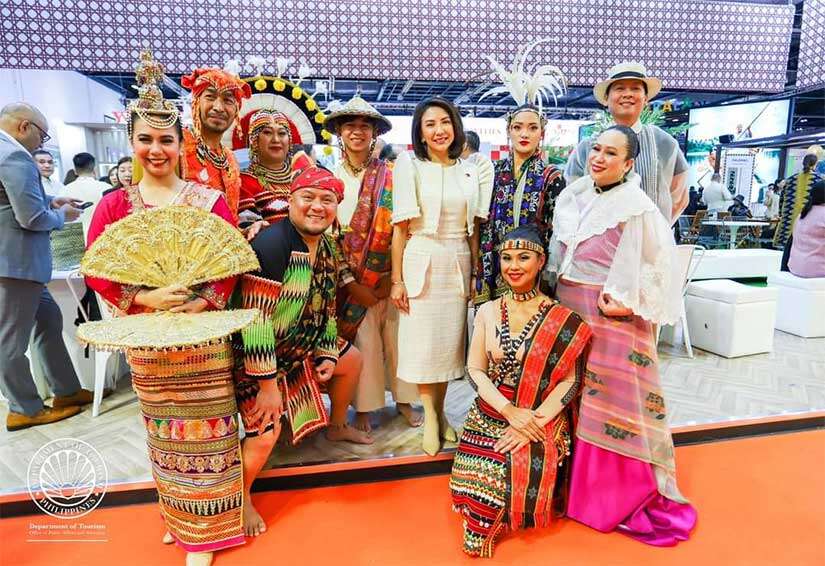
x: 201, y: 79
x: 311, y: 177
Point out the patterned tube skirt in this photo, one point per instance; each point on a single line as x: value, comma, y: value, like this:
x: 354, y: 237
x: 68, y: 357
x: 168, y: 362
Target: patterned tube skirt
x: 188, y: 406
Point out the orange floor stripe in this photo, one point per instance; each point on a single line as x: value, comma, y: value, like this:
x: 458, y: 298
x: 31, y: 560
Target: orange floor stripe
x: 761, y: 501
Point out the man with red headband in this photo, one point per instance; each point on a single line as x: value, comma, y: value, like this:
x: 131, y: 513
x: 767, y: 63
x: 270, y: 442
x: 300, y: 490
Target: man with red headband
x: 293, y: 348
x: 216, y: 100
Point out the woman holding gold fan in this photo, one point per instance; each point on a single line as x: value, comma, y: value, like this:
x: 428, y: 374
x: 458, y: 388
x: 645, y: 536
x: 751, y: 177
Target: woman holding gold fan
x: 185, y: 391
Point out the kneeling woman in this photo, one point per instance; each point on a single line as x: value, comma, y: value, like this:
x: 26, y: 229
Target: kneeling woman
x: 613, y: 251
x: 526, y: 357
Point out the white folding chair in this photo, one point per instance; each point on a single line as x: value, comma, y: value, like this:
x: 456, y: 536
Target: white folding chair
x: 685, y: 268
x: 102, y: 357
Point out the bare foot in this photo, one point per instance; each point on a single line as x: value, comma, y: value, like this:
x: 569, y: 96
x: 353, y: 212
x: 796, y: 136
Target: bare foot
x: 447, y: 432
x: 414, y: 418
x: 199, y: 558
x: 167, y: 538
x: 253, y: 523
x: 362, y: 422
x: 346, y: 433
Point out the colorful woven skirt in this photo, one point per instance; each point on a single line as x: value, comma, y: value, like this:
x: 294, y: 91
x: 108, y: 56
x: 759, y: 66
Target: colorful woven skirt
x: 479, y: 481
x: 188, y: 405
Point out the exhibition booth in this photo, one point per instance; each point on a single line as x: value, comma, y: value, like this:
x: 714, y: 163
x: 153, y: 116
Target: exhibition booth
x: 746, y: 356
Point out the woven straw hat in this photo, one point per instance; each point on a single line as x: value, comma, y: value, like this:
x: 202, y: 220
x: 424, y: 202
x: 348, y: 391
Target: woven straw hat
x: 357, y: 107
x: 627, y: 70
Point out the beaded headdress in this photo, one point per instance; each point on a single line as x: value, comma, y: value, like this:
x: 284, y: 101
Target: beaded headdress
x: 150, y: 105
x: 525, y: 237
x: 529, y: 89
x: 260, y: 120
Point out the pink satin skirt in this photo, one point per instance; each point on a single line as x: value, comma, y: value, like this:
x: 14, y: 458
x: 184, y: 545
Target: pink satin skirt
x: 610, y: 492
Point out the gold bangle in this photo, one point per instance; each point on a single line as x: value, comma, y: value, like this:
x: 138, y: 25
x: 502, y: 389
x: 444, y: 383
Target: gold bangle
x: 397, y: 282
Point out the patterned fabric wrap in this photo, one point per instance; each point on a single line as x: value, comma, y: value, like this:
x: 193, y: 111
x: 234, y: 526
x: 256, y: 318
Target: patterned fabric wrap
x: 528, y: 487
x: 296, y: 329
x: 318, y: 178
x: 227, y: 179
x: 542, y: 184
x: 791, y: 201
x: 188, y: 406
x: 366, y: 242
x: 623, y: 405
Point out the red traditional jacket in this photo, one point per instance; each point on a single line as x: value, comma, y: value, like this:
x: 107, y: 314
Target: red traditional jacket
x: 227, y: 179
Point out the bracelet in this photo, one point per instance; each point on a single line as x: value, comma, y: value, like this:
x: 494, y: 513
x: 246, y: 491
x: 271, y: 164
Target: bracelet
x: 397, y: 282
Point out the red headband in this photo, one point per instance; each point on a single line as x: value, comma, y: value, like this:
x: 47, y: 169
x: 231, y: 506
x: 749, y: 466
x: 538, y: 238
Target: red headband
x: 318, y: 178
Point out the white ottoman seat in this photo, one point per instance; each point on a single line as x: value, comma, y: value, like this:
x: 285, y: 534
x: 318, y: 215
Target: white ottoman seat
x: 800, y: 308
x: 736, y: 264
x: 729, y: 318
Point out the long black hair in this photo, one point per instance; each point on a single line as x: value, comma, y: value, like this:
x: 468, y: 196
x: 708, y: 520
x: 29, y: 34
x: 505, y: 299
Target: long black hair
x: 815, y: 197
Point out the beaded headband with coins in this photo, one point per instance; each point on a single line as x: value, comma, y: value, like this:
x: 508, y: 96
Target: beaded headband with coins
x: 525, y: 237
x: 522, y: 245
x: 528, y: 89
x: 150, y: 105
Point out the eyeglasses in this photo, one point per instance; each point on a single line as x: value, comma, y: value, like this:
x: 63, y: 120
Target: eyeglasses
x: 44, y: 137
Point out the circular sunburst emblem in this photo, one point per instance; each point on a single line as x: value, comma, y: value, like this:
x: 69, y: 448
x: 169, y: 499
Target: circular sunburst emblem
x: 67, y: 478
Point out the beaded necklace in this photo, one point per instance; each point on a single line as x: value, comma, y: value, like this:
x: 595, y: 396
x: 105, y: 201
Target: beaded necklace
x: 523, y: 297
x: 509, y: 365
x: 267, y: 177
x: 218, y: 159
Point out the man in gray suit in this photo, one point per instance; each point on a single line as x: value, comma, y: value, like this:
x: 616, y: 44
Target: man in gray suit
x: 28, y: 314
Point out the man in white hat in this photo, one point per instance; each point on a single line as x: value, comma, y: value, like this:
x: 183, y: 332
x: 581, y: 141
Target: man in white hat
x: 661, y: 164
x: 365, y: 314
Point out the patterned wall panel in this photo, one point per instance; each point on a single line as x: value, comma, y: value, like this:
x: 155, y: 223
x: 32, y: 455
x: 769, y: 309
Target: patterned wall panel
x: 690, y: 44
x: 811, y: 71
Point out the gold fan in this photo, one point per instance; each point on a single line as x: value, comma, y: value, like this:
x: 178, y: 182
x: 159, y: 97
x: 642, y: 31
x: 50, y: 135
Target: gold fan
x: 160, y: 330
x: 173, y: 245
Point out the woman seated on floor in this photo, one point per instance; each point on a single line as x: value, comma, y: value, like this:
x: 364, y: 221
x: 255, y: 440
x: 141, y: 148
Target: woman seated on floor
x: 512, y: 464
x: 613, y: 252
x: 808, y: 243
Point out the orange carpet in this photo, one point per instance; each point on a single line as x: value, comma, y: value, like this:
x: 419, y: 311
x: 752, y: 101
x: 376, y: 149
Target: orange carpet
x: 760, y: 501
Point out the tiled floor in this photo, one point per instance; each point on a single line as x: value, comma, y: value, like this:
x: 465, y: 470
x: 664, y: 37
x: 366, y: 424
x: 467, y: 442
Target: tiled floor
x: 705, y: 389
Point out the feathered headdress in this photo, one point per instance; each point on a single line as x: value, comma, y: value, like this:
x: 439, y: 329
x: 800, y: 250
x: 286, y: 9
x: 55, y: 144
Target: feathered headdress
x: 528, y: 88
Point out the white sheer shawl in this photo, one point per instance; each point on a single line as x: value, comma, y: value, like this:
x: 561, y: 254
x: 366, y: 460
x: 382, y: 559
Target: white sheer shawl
x: 642, y: 273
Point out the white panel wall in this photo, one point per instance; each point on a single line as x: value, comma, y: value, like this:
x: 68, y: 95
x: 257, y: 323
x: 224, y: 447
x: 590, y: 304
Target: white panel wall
x: 63, y: 96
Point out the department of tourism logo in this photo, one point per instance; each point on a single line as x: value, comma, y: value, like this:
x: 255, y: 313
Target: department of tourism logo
x: 67, y: 478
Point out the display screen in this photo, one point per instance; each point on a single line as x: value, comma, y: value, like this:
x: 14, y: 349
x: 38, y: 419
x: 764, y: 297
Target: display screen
x: 740, y: 122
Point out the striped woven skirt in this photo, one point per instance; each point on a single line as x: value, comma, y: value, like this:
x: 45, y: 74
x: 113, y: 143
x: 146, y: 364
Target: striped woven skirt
x: 479, y: 481
x: 188, y: 406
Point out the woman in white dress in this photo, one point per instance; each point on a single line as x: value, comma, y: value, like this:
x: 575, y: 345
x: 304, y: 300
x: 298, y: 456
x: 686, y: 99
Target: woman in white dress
x: 436, y: 197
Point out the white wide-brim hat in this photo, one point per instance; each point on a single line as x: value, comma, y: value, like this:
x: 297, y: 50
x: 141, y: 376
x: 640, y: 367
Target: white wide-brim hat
x: 627, y: 70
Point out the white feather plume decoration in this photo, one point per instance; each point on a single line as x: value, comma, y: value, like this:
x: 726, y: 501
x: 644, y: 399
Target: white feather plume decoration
x: 304, y: 71
x: 281, y: 63
x: 334, y: 106
x: 256, y: 62
x: 233, y: 67
x: 536, y: 87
